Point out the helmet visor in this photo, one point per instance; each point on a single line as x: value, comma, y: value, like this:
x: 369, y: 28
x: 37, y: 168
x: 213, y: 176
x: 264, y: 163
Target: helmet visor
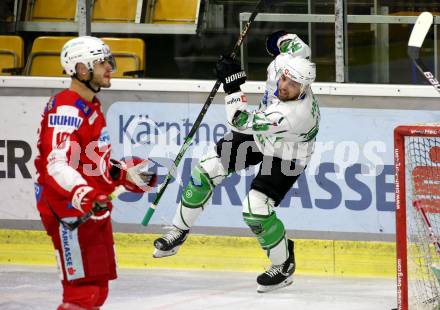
x: 110, y: 60
x: 107, y: 59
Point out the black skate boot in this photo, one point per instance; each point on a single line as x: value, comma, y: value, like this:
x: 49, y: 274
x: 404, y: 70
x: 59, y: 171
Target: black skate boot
x: 278, y: 276
x: 169, y: 243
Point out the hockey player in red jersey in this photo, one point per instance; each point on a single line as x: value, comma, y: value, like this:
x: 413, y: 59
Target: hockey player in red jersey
x: 76, y: 176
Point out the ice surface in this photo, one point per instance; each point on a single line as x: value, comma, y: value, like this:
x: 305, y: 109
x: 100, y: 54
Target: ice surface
x: 37, y: 287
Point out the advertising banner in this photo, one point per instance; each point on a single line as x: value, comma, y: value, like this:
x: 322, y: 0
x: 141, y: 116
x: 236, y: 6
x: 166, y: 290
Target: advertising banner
x: 347, y: 187
x: 20, y: 119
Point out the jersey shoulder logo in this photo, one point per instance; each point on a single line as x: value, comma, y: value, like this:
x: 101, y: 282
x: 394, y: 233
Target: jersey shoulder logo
x: 80, y: 104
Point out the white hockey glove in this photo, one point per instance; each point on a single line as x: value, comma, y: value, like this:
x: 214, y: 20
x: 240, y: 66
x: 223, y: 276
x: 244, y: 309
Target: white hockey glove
x: 292, y: 44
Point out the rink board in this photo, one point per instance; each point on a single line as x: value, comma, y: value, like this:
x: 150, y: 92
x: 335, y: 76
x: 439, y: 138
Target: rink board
x: 314, y: 257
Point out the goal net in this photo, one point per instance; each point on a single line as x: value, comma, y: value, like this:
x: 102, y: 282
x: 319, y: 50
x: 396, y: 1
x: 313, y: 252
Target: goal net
x: 417, y: 179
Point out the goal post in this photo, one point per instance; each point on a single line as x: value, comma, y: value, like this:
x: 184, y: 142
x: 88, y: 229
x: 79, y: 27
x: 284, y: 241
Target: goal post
x: 417, y: 196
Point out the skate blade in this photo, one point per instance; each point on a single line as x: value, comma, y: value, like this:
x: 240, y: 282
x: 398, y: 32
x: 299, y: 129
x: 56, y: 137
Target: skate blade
x: 269, y: 288
x: 159, y: 253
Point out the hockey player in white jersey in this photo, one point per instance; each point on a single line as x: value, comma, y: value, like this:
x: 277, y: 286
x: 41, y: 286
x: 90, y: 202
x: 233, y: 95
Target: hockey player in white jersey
x: 280, y: 137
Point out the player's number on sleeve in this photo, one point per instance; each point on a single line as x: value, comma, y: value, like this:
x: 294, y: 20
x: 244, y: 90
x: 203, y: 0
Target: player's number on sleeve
x: 61, y: 138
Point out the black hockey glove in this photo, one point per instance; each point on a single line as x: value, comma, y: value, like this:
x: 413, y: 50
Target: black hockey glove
x: 229, y: 72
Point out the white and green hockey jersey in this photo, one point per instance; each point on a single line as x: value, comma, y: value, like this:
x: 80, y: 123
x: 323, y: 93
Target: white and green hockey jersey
x: 284, y: 129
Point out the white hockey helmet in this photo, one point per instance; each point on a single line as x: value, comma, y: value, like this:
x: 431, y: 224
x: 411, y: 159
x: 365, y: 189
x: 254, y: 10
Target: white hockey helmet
x: 300, y: 70
x: 87, y: 50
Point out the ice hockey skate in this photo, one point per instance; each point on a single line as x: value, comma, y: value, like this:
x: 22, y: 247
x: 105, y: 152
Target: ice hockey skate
x: 169, y: 243
x: 278, y: 276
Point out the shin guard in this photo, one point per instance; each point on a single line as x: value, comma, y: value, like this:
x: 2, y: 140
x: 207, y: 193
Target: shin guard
x: 269, y: 230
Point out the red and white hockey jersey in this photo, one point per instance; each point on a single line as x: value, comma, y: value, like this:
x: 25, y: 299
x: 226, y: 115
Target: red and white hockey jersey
x: 74, y: 149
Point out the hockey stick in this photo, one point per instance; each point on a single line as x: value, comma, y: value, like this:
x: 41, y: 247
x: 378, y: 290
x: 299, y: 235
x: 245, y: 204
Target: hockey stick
x: 260, y: 5
x: 88, y: 215
x: 418, y: 34
x: 81, y: 219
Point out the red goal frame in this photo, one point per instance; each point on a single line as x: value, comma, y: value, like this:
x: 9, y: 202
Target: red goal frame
x: 400, y: 133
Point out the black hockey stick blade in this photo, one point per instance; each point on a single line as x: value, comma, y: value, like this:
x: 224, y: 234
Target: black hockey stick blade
x: 258, y: 8
x: 418, y: 34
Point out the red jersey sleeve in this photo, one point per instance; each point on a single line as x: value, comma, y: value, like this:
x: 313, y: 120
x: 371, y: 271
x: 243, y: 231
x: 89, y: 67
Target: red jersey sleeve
x: 60, y: 141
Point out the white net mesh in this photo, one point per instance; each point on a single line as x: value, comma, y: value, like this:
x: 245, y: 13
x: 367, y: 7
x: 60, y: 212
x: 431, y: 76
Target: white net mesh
x: 423, y: 221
